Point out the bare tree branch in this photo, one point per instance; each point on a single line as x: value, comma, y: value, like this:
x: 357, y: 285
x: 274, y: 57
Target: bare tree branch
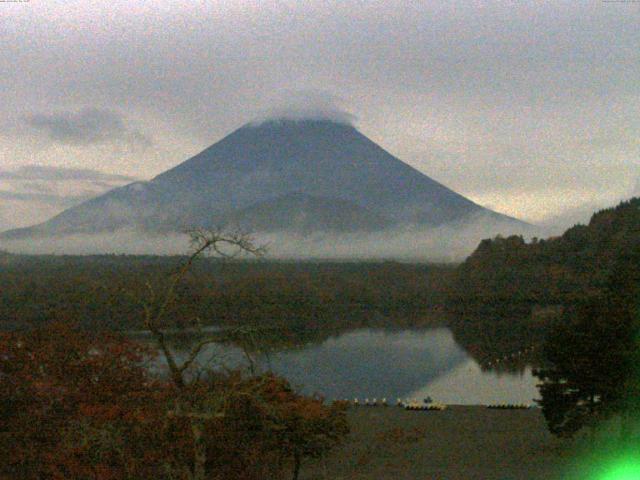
x: 155, y: 308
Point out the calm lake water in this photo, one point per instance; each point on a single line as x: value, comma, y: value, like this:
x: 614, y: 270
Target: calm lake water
x: 388, y: 363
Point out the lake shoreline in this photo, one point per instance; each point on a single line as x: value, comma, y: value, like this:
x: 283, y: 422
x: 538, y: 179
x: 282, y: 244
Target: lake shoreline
x: 380, y: 363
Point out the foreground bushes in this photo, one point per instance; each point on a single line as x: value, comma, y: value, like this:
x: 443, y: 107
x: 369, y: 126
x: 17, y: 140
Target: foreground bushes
x: 75, y: 405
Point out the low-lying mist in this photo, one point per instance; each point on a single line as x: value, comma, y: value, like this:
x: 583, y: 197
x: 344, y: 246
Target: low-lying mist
x: 450, y: 243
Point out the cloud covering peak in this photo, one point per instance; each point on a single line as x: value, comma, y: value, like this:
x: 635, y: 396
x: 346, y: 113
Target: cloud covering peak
x: 306, y: 105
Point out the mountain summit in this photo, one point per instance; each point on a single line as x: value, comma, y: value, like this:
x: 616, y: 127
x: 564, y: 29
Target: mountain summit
x: 284, y: 175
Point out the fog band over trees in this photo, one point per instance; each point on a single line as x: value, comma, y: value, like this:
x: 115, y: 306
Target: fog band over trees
x: 438, y: 244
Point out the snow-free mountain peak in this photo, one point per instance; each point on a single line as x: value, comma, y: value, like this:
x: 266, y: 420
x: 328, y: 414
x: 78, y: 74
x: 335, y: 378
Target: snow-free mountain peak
x: 281, y: 174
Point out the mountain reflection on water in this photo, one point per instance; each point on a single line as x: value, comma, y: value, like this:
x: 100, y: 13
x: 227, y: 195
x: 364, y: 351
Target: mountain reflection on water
x: 377, y: 363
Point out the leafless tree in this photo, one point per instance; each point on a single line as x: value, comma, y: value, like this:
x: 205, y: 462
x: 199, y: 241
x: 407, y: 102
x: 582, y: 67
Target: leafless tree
x: 156, y: 310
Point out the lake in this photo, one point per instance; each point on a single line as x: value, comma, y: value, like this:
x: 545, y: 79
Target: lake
x: 377, y: 363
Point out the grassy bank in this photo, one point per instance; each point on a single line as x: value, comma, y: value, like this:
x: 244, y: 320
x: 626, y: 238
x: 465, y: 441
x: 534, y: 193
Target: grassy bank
x: 462, y: 442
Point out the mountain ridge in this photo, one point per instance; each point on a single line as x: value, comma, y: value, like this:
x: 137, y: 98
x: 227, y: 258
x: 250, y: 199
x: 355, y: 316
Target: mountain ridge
x: 259, y: 163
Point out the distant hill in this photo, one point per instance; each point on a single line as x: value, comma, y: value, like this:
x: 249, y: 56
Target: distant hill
x: 558, y: 270
x: 291, y: 175
x: 508, y: 293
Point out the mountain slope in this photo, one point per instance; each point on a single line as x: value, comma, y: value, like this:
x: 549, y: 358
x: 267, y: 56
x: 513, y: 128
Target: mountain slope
x: 304, y: 213
x: 259, y: 163
x: 557, y: 271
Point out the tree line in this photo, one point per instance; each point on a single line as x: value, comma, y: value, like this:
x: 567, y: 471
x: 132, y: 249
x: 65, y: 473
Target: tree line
x: 509, y: 293
x: 102, y: 291
x: 589, y: 280
x: 83, y: 404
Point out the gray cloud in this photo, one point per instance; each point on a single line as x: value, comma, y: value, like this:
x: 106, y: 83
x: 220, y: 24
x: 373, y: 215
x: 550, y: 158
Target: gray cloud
x: 4, y: 223
x: 54, y: 174
x: 33, y: 193
x: 556, y: 224
x: 86, y: 126
x: 492, y: 98
x: 62, y: 201
x: 38, y: 186
x: 306, y: 104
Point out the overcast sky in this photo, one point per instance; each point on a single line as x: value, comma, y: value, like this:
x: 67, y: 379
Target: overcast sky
x: 527, y: 107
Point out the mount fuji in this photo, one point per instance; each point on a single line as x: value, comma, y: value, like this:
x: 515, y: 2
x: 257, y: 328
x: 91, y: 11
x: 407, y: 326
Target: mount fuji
x: 303, y: 175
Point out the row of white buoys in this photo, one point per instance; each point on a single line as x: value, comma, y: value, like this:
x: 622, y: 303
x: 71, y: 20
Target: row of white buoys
x: 409, y: 404
x: 510, y: 406
x: 369, y: 403
x: 512, y: 356
x: 427, y: 404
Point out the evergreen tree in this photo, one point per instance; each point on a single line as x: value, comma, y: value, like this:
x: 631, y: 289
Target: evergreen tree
x: 589, y: 359
x: 592, y: 355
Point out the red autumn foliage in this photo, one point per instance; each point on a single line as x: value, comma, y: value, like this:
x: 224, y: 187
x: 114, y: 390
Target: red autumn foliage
x: 74, y: 405
x: 280, y: 427
x: 79, y: 405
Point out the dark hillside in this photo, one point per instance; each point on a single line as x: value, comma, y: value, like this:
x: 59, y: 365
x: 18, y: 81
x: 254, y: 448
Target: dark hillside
x: 509, y: 291
x: 299, y: 297
x: 546, y: 272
